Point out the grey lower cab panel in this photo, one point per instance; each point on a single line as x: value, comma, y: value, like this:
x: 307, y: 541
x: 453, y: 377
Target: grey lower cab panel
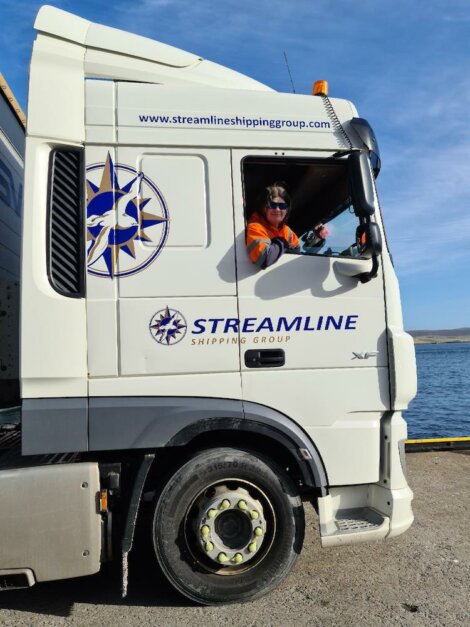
x: 49, y: 523
x: 150, y: 422
x: 64, y: 425
x: 129, y: 423
x: 54, y: 425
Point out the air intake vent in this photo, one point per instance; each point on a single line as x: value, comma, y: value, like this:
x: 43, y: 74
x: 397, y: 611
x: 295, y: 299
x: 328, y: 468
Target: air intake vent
x: 66, y: 232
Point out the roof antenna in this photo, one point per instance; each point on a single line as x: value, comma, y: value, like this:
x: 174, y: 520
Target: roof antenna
x: 288, y: 69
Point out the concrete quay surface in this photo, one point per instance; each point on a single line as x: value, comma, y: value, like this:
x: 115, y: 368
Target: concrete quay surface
x: 420, y: 578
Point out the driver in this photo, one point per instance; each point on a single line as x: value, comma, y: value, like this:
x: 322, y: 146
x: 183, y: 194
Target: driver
x: 267, y: 234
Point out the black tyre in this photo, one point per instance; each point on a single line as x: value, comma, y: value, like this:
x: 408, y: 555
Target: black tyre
x: 228, y: 526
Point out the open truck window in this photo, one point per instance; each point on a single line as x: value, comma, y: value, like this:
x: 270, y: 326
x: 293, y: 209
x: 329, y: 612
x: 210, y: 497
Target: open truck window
x: 320, y: 194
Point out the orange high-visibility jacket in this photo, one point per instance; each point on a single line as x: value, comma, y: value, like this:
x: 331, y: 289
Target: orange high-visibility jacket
x: 259, y: 234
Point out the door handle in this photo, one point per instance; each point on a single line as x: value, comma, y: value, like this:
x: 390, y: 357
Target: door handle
x: 266, y: 358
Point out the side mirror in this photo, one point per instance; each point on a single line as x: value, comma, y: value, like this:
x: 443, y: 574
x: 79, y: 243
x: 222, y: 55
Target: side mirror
x: 362, y: 186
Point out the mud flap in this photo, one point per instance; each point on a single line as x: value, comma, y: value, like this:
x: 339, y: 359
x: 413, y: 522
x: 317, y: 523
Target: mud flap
x: 129, y: 530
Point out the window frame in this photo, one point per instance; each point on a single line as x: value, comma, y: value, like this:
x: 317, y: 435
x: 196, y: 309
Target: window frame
x: 301, y: 160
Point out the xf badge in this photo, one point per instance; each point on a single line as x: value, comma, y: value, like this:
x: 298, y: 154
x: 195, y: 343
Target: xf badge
x: 365, y: 355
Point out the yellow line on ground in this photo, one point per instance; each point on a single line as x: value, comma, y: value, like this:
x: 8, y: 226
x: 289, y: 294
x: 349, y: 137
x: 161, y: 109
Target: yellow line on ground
x: 426, y: 441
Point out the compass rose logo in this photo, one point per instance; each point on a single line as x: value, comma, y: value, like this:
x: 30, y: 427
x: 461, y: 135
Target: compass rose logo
x: 168, y: 326
x: 124, y: 208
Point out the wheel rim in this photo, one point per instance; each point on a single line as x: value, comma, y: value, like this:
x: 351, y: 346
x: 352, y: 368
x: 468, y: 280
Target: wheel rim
x: 229, y: 526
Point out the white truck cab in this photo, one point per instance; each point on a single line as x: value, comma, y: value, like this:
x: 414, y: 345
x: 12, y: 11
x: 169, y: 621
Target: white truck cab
x: 155, y: 356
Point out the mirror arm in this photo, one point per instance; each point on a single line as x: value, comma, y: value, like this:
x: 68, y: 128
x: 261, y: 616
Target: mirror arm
x: 365, y: 277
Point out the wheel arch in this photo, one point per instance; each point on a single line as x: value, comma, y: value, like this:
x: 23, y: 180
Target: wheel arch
x: 275, y: 435
x: 160, y: 423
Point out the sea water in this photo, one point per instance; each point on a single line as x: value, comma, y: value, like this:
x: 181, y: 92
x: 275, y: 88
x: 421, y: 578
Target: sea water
x: 442, y: 406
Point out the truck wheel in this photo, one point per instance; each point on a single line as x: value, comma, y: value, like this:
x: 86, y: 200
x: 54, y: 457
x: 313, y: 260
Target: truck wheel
x: 228, y: 526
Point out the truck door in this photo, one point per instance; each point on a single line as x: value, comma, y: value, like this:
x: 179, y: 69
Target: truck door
x: 312, y: 340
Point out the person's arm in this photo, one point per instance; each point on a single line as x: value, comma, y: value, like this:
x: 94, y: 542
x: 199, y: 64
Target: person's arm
x: 274, y: 251
x: 262, y: 250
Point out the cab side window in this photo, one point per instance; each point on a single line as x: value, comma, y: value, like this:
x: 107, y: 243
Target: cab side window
x: 321, y: 212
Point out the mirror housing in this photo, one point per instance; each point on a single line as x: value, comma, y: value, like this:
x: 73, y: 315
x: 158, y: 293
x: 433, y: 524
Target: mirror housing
x: 364, y: 131
x: 362, y: 186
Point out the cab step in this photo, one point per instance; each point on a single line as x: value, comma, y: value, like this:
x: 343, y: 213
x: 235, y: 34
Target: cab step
x: 348, y: 526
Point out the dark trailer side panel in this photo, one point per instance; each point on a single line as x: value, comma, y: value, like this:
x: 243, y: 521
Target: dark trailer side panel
x: 12, y: 147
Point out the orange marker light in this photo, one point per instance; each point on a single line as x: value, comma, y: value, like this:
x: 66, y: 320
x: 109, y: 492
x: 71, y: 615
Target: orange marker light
x: 320, y: 88
x: 103, y: 500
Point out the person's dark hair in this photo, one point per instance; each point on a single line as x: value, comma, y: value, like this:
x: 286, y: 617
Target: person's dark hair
x: 276, y: 190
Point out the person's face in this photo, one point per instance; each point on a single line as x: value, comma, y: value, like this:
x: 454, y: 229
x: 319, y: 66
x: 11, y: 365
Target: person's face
x: 274, y: 214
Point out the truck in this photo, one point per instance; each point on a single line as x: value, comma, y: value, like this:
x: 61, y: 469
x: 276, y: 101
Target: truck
x: 153, y: 377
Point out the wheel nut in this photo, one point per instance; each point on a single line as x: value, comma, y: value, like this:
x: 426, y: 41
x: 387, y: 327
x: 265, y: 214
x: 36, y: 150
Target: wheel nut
x: 254, y: 514
x: 205, y: 531
x: 258, y: 532
x: 225, y: 504
x: 252, y: 547
x: 242, y: 505
x: 237, y: 558
x: 212, y: 513
x: 221, y: 557
x: 208, y: 546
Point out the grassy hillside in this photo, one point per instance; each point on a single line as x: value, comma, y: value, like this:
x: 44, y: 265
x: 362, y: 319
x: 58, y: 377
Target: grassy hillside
x: 464, y: 331
x: 440, y: 336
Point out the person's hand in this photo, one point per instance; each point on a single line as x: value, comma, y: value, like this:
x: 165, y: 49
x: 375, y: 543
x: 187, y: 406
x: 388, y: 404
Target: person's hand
x: 281, y: 241
x: 321, y: 231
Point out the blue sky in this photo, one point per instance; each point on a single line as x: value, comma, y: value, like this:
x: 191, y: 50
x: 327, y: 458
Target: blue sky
x: 405, y: 65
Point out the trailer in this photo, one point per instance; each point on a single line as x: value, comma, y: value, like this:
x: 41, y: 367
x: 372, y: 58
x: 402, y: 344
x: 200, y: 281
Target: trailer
x: 12, y: 146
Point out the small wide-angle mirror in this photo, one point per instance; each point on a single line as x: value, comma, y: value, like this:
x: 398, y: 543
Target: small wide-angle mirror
x: 369, y: 244
x: 362, y: 185
x: 369, y: 239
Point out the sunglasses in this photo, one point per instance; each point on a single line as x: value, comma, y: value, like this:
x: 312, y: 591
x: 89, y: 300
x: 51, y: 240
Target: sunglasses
x: 283, y: 206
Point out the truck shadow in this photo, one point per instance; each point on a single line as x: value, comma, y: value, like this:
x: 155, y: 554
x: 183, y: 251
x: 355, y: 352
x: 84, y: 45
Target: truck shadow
x: 293, y: 275
x: 147, y: 587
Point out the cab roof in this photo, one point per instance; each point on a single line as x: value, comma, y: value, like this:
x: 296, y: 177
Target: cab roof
x: 160, y: 60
